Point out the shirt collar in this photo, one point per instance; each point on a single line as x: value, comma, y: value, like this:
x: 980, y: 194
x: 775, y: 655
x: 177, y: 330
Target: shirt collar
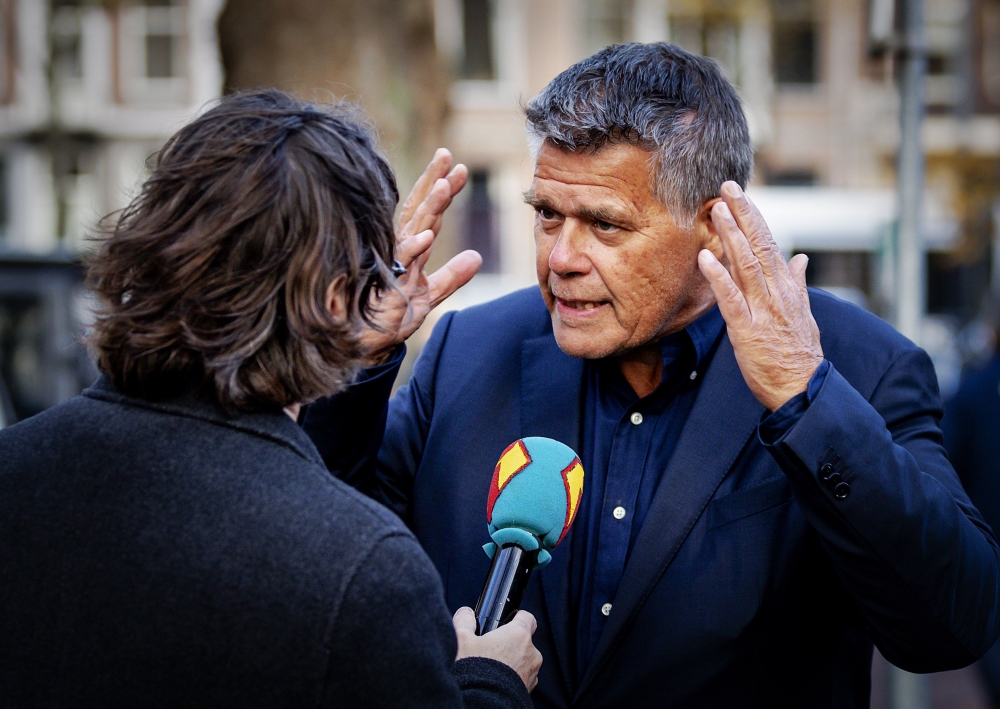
x: 704, y: 332
x: 700, y: 336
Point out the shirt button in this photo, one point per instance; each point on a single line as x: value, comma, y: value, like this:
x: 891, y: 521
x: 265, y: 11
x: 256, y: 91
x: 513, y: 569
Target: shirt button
x: 693, y: 375
x: 606, y: 609
x: 636, y: 418
x: 619, y: 512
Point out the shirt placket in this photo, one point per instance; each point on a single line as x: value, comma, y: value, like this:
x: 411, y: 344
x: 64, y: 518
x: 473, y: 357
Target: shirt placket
x: 624, y: 476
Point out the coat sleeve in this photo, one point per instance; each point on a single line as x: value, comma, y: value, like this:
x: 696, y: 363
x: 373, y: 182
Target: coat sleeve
x: 349, y: 428
x: 875, y: 483
x: 393, y: 643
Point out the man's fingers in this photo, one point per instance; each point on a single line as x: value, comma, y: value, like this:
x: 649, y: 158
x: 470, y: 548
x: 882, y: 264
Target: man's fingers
x: 453, y: 275
x: 412, y: 248
x: 525, y: 619
x: 732, y: 304
x: 435, y: 170
x: 797, y: 270
x: 464, y: 619
x: 457, y: 178
x: 750, y: 221
x: 429, y: 210
x: 743, y: 263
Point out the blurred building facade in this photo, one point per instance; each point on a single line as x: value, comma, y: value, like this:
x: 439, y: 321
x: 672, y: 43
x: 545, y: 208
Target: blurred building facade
x: 88, y: 90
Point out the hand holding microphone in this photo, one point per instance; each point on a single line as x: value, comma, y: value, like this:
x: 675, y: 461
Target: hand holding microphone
x: 510, y: 644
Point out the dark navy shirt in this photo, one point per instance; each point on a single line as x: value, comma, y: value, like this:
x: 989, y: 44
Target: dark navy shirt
x: 626, y: 445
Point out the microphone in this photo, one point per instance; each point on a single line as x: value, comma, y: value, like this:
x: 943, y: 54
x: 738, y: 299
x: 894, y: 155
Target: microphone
x: 533, y: 499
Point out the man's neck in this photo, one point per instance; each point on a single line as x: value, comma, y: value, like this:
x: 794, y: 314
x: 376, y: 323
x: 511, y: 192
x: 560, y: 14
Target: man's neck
x: 642, y: 367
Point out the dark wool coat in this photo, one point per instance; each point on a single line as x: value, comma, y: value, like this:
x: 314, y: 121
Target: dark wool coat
x: 168, y: 555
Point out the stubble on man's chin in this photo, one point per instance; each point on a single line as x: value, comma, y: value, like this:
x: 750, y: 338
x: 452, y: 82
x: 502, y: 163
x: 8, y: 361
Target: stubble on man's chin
x: 585, y: 352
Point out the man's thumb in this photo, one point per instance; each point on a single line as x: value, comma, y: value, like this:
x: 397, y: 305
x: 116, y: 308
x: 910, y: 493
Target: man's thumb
x: 465, y: 619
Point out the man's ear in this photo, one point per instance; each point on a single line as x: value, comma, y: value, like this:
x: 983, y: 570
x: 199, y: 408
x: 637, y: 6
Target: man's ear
x: 336, y: 299
x: 705, y: 230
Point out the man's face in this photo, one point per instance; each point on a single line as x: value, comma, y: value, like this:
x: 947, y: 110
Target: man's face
x: 615, y: 270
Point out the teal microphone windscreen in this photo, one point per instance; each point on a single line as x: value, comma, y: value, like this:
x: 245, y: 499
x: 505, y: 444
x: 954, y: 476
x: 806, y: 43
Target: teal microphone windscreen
x: 534, y: 496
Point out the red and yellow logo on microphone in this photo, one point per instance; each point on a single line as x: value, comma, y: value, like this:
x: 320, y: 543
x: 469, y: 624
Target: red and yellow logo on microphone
x: 537, y: 486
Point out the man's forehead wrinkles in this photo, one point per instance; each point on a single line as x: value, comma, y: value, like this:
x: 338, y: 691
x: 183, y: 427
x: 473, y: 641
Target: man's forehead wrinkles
x: 580, y: 178
x: 582, y: 195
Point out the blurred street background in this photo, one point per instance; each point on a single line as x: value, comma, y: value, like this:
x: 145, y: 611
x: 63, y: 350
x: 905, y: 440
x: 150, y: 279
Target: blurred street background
x: 89, y: 89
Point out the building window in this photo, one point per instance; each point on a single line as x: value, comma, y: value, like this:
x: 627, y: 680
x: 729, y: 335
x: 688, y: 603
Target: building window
x: 795, y: 42
x: 481, y: 216
x: 164, y: 31
x: 7, y: 43
x: 153, y: 45
x: 66, y: 39
x: 989, y: 62
x: 792, y: 178
x: 477, y: 34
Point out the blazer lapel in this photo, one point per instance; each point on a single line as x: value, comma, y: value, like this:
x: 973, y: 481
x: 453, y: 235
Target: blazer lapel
x: 551, y: 383
x: 724, y: 416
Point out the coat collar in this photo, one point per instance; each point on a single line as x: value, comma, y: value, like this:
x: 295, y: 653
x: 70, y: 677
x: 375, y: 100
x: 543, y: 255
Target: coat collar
x: 275, y: 426
x: 724, y: 416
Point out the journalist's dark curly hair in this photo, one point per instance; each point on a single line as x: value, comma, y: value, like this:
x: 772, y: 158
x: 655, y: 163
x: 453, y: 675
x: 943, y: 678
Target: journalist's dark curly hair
x: 216, y: 274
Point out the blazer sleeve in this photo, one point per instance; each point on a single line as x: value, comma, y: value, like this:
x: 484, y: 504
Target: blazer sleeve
x: 393, y: 643
x: 407, y: 426
x: 875, y: 483
x: 347, y: 428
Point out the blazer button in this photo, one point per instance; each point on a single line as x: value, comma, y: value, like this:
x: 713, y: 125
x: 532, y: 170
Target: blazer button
x: 825, y: 470
x: 833, y: 480
x: 841, y: 490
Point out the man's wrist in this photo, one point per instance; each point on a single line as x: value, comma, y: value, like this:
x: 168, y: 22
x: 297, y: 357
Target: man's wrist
x: 789, y: 392
x: 776, y: 425
x: 381, y: 356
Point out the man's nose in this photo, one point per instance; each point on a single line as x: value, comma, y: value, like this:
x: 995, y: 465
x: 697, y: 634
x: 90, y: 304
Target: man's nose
x: 567, y: 256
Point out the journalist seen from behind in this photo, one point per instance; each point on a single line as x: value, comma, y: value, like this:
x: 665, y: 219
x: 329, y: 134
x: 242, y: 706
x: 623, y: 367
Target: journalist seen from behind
x: 171, y: 538
x: 767, y: 494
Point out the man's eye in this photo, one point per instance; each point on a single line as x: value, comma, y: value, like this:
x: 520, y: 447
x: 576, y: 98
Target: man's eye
x: 604, y: 226
x: 546, y: 213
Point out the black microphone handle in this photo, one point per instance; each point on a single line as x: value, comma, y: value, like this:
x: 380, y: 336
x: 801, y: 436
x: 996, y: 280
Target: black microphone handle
x: 505, y: 584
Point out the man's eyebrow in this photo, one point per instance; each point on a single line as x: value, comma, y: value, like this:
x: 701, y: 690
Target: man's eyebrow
x: 604, y: 214
x: 596, y: 214
x: 533, y: 200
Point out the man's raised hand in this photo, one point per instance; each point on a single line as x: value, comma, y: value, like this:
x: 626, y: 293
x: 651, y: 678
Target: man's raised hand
x: 400, y: 313
x: 763, y: 300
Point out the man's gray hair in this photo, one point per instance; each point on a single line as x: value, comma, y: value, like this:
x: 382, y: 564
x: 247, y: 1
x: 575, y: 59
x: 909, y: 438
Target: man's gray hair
x: 670, y: 102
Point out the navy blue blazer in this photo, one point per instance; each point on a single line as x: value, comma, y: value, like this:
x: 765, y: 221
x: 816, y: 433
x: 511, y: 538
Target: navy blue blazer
x: 751, y: 584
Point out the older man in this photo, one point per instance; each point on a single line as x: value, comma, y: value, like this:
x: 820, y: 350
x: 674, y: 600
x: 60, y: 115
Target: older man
x: 766, y: 491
